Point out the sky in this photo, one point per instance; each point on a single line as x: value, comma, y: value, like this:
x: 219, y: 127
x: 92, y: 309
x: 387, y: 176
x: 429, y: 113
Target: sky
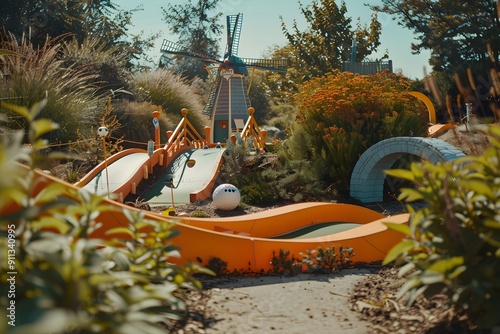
x: 262, y: 28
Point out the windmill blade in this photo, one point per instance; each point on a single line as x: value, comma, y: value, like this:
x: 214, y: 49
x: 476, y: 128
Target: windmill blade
x: 234, y: 24
x: 278, y: 65
x: 177, y: 49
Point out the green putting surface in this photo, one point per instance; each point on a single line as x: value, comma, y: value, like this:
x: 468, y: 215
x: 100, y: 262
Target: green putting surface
x: 318, y: 230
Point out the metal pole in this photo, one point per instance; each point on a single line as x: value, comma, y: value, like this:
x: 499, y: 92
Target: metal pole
x: 105, y: 163
x: 468, y: 110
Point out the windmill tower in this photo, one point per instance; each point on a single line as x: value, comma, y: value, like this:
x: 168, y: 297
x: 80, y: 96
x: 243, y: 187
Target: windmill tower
x: 228, y: 102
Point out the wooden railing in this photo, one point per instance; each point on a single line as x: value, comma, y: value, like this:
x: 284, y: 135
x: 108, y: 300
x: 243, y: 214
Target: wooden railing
x: 251, y: 130
x: 184, y: 137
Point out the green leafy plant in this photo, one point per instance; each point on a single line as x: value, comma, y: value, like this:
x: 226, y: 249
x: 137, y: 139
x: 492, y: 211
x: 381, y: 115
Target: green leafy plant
x: 282, y: 264
x: 67, y: 281
x: 453, y: 244
x: 312, y: 261
x: 199, y: 214
x: 327, y: 260
x: 256, y: 191
x: 218, y: 266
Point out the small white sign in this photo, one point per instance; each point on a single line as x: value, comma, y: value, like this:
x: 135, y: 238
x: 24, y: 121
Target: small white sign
x: 156, y: 123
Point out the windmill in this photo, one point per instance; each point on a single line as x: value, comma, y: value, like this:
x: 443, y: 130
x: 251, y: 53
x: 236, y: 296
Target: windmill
x: 228, y: 102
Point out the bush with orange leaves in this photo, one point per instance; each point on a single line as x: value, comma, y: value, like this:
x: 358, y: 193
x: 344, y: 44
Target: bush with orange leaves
x: 345, y: 113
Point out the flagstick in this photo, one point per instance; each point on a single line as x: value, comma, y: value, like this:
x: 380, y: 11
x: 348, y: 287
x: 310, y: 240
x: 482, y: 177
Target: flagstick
x: 103, y: 133
x: 172, y: 193
x: 105, y: 163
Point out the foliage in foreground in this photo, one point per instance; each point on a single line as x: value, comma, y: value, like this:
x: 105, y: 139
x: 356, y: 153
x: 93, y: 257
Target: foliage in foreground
x: 66, y: 281
x: 453, y: 244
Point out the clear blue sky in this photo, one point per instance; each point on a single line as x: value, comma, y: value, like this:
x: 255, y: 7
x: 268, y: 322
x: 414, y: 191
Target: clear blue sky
x: 262, y: 28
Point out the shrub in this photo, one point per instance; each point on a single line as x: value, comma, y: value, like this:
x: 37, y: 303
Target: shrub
x: 256, y: 191
x: 170, y: 91
x: 453, y: 244
x: 89, y: 147
x: 108, y: 64
x: 35, y: 74
x: 345, y: 113
x: 265, y: 178
x: 137, y: 126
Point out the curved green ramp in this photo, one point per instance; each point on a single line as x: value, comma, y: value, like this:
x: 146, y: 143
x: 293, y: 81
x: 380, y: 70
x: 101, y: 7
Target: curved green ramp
x: 190, y: 171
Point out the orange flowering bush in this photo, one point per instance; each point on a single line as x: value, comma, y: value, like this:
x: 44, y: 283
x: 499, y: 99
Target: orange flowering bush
x: 346, y: 113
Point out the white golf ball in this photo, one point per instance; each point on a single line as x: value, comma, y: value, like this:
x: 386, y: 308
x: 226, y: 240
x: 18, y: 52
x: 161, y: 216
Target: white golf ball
x: 226, y: 197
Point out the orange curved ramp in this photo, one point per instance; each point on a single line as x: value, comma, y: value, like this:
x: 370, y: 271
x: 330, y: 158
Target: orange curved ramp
x: 435, y: 129
x: 428, y: 104
x: 277, y: 221
x: 252, y: 250
x: 370, y: 242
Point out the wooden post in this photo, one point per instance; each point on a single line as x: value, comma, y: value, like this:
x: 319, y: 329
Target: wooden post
x: 207, y: 135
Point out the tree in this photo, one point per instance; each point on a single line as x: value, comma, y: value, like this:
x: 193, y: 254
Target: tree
x: 196, y: 30
x: 283, y: 86
x: 464, y: 40
x: 326, y: 44
x: 100, y: 20
x: 456, y: 32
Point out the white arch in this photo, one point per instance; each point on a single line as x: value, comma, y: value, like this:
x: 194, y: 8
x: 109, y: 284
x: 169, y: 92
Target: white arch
x: 367, y: 179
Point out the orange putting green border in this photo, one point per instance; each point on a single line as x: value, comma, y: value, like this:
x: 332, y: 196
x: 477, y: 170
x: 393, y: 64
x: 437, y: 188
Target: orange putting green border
x: 243, y: 241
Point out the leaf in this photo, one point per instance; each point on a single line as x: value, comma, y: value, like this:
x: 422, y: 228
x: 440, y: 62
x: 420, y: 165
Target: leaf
x: 457, y: 272
x: 51, y: 223
x: 144, y: 257
x: 410, y: 195
x: 22, y: 111
x: 410, y: 284
x: 50, y: 192
x: 400, y: 173
x: 120, y: 230
x: 415, y: 293
x: 444, y: 265
x: 98, y: 279
x: 402, y: 228
x: 43, y: 126
x: 398, y: 250
x: 480, y: 187
x: 429, y: 277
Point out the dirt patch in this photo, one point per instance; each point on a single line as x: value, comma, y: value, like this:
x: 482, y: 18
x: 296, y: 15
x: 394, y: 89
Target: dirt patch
x: 375, y: 299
